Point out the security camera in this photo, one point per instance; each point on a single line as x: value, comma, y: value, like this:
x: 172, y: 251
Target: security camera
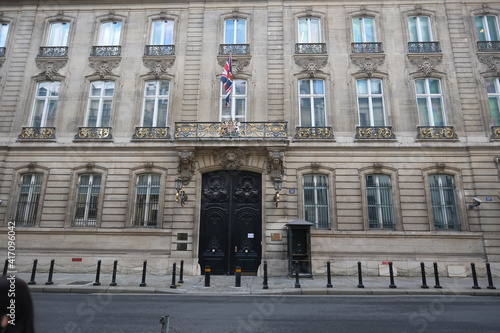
x: 477, y: 201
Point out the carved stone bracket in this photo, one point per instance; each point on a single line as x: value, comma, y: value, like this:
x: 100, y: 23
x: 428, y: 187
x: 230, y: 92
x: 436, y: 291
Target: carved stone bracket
x: 275, y: 164
x: 369, y: 64
x: 239, y: 62
x: 186, y: 165
x: 158, y: 66
x: 104, y: 66
x: 311, y: 64
x: 426, y: 64
x: 491, y: 61
x: 50, y: 67
x: 231, y: 158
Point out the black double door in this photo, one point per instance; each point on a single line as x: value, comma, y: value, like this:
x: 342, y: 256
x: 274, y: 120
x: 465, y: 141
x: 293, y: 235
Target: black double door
x: 230, y: 226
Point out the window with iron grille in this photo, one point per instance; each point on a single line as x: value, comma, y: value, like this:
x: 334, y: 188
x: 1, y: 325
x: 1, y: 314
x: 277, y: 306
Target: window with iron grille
x: 493, y: 89
x: 444, y: 202
x: 316, y: 203
x: 380, y: 203
x: 87, y: 200
x: 28, y: 200
x: 147, y: 198
x: 312, y: 103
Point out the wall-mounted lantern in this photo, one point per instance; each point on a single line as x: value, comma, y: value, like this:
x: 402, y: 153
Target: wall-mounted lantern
x: 277, y: 188
x: 180, y: 195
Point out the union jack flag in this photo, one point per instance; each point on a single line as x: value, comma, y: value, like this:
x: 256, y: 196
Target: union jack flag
x: 227, y: 78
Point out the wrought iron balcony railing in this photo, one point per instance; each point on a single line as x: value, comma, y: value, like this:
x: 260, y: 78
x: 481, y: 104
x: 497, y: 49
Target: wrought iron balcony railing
x: 436, y: 133
x: 230, y: 130
x: 310, y: 48
x: 367, y: 47
x: 234, y: 49
x: 424, y: 47
x: 146, y: 133
x: 94, y: 133
x: 495, y: 133
x: 159, y: 50
x: 106, y: 51
x: 374, y: 132
x: 2, y: 51
x: 314, y: 133
x: 490, y: 46
x: 37, y: 133
x: 53, y: 51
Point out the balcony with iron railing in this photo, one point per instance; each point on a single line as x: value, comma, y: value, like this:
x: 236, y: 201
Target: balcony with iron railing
x: 436, y: 133
x: 314, y: 133
x: 488, y: 46
x: 234, y: 49
x: 310, y: 48
x: 37, y: 133
x: 424, y: 47
x: 159, y: 50
x: 94, y: 133
x: 53, y: 52
x: 374, y: 47
x: 2, y: 52
x: 374, y: 133
x: 495, y: 133
x: 151, y: 133
x: 230, y: 130
x: 106, y: 51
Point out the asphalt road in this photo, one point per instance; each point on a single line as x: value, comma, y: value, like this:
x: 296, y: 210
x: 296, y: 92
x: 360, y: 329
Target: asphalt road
x: 117, y: 313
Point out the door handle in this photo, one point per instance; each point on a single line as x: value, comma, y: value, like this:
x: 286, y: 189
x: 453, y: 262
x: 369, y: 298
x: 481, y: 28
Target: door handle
x: 236, y: 249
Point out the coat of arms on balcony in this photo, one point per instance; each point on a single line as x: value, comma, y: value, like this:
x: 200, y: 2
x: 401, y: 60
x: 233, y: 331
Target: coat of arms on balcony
x: 230, y: 128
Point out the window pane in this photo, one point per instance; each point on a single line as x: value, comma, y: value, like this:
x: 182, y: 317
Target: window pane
x: 240, y: 87
x: 93, y: 113
x: 241, y: 31
x: 106, y: 113
x: 378, y: 112
x: 412, y: 27
x: 423, y: 112
x: 148, y: 113
x: 437, y: 112
x: 356, y: 27
x: 376, y: 86
x: 362, y: 86
x: 481, y: 33
x: 319, y: 112
x: 303, y: 31
x: 95, y: 88
x: 364, y: 112
x: 4, y: 28
x: 315, y: 31
x: 58, y: 34
x: 305, y: 112
x: 425, y: 29
x: 229, y: 35
x: 318, y: 87
x: 369, y: 30
x: 492, y: 27
x: 434, y: 86
x: 304, y: 87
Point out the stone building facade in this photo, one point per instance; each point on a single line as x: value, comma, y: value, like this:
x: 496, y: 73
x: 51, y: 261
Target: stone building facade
x: 378, y: 120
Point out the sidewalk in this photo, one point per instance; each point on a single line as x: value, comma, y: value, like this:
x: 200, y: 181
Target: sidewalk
x: 253, y: 285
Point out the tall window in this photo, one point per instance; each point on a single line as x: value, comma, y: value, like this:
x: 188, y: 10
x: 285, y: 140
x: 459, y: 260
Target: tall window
x: 380, y: 204
x: 100, y: 103
x: 4, y: 29
x: 430, y: 102
x: 58, y: 34
x: 87, y: 200
x: 109, y: 33
x: 155, y: 104
x: 312, y: 103
x: 162, y: 33
x: 444, y: 202
x: 28, y: 200
x: 309, y: 30
x: 487, y: 28
x: 235, y: 31
x: 370, y: 102
x: 364, y: 30
x: 45, y: 106
x: 146, y: 200
x: 316, y: 207
x: 237, y: 109
x: 493, y: 89
x: 420, y: 29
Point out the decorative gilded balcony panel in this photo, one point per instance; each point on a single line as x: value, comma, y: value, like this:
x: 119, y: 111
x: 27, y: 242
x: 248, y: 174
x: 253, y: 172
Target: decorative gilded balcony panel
x: 436, y: 133
x: 310, y: 48
x: 2, y: 51
x: 230, y: 130
x: 305, y: 133
x: 37, y: 133
x: 151, y: 133
x: 490, y: 46
x: 106, y: 51
x: 159, y: 50
x: 366, y: 48
x: 53, y: 51
x: 495, y: 133
x: 94, y: 133
x: 233, y: 49
x: 374, y: 133
x: 424, y: 47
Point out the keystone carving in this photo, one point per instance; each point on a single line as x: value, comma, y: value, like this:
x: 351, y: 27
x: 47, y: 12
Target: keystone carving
x: 275, y: 164
x: 369, y: 65
x: 311, y: 65
x: 158, y: 67
x: 239, y: 62
x: 231, y: 158
x: 186, y: 165
x: 492, y: 62
x: 426, y: 65
x: 103, y: 67
x: 50, y: 68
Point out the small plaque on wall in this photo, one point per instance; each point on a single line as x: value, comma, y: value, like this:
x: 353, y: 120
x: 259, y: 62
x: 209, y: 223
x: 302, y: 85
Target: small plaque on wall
x: 183, y: 236
x: 182, y: 246
x: 276, y: 237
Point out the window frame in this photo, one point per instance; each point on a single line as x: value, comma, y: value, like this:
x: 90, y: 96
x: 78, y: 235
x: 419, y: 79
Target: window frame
x: 232, y: 105
x: 443, y: 204
x: 235, y: 33
x: 487, y: 36
x: 428, y: 102
x: 495, y: 120
x: 146, y: 223
x: 311, y: 97
x: 64, y: 37
x: 309, y: 30
x: 46, y: 104
x: 326, y: 204
x: 101, y: 99
x: 4, y: 33
x: 363, y: 29
x: 156, y: 100
x: 370, y: 96
x: 164, y: 31
x: 381, y: 224
x: 102, y: 39
x: 86, y: 221
x: 419, y: 28
x: 28, y: 209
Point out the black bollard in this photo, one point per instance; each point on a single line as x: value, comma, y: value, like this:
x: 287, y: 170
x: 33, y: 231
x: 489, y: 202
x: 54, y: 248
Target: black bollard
x: 113, y: 277
x: 5, y: 267
x: 328, y: 275
x: 490, y: 279
x: 391, y: 274
x: 436, y: 275
x: 297, y: 284
x: 264, y: 285
x: 181, y: 273
x: 51, y: 272
x: 237, y: 275
x: 173, y: 285
x: 360, y: 276
x: 97, y: 274
x: 143, y: 282
x: 207, y: 276
x: 474, y: 276
x: 33, y: 272
x: 424, y: 280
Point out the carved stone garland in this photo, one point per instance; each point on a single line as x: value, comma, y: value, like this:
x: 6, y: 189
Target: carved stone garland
x: 158, y: 67
x: 103, y: 67
x: 369, y: 65
x: 492, y: 62
x: 426, y: 65
x: 50, y: 68
x: 311, y: 64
